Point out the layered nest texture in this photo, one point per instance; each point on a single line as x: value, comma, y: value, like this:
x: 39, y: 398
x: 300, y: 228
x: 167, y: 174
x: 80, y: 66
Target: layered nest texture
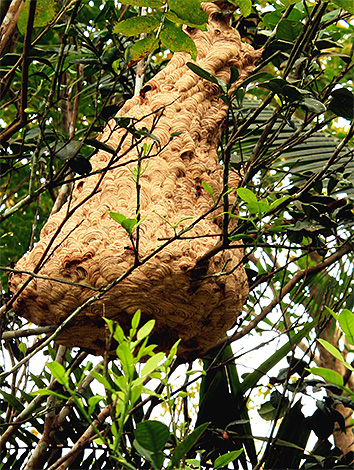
x: 83, y: 244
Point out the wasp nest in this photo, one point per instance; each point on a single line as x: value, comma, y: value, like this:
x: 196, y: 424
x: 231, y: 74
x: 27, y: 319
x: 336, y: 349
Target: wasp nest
x: 83, y: 244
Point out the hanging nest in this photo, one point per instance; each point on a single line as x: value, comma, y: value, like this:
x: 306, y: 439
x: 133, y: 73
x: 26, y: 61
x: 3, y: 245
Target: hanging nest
x: 83, y: 244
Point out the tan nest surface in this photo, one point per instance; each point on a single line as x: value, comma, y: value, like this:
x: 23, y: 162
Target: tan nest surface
x: 81, y: 243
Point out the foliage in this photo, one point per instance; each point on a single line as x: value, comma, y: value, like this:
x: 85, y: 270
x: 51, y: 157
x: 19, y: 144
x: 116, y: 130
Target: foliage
x: 66, y: 69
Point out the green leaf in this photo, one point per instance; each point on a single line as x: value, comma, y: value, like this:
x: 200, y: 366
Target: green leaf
x: 13, y: 401
x: 152, y: 435
x: 247, y: 195
x: 313, y: 106
x: 58, y: 372
x: 102, y: 380
x: 146, y: 329
x: 67, y: 151
x: 267, y: 411
x: 288, y: 30
x: 110, y: 324
x: 187, y: 443
x: 329, y: 375
x: 43, y: 391
x: 145, y: 3
x: 23, y: 348
x: 341, y: 103
x: 346, y: 322
x: 151, y: 364
x: 173, y: 38
x: 126, y: 357
x: 117, y: 217
x: 45, y: 11
x: 208, y: 189
x: 239, y: 236
x: 80, y: 165
x: 234, y: 74
x: 93, y: 401
x: 245, y: 7
x: 127, y: 224
x: 225, y: 459
x: 119, y: 334
x: 142, y: 48
x: 334, y: 351
x: 207, y: 76
x: 137, y: 25
x: 135, y: 321
x: 279, y: 201
x: 188, y: 10
x: 347, y: 5
x: 276, y: 85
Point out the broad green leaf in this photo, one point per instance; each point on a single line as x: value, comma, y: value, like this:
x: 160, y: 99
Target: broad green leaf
x: 13, y: 401
x: 23, y: 348
x: 45, y: 11
x: 208, y: 189
x: 151, y: 364
x: 329, y: 375
x: 137, y: 25
x: 145, y: 3
x: 119, y: 334
x: 239, y: 236
x: 93, y: 401
x: 143, y: 48
x: 126, y: 357
x: 58, y: 372
x: 267, y: 411
x: 341, y: 103
x: 127, y: 224
x: 234, y: 74
x: 225, y: 459
x: 146, y: 329
x: 188, y: 10
x: 187, y: 443
x: 152, y: 435
x: 288, y: 30
x: 346, y: 322
x: 80, y: 165
x: 347, y: 5
x: 43, y: 391
x: 330, y: 15
x: 157, y: 460
x: 313, y: 106
x: 67, y: 151
x: 247, y: 195
x: 334, y: 351
x: 110, y: 324
x: 279, y: 201
x: 245, y: 7
x: 276, y: 85
x: 135, y: 393
x: 117, y: 217
x: 135, y: 321
x: 173, y: 38
x: 207, y: 76
x: 102, y: 380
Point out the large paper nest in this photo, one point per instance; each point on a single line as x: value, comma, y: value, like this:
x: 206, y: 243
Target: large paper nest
x: 83, y: 244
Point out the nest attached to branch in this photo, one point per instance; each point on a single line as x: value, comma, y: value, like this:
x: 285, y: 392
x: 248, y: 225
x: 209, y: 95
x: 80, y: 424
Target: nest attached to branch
x: 81, y: 243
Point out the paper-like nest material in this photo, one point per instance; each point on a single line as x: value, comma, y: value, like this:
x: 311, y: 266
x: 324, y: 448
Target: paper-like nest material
x: 92, y: 249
